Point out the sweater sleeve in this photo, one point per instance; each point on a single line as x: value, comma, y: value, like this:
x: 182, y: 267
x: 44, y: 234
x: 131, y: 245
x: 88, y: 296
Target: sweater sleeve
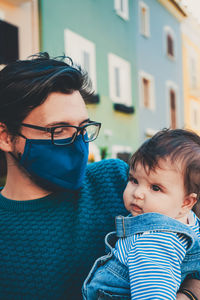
x: 154, y: 265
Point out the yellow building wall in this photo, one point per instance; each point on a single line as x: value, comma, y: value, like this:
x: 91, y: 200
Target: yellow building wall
x: 191, y: 46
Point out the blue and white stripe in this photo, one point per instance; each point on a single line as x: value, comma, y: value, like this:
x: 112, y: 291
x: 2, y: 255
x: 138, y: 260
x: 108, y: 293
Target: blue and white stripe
x: 154, y: 260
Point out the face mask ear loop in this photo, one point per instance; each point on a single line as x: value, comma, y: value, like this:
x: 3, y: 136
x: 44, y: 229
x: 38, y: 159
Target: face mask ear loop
x: 19, y: 154
x: 16, y: 158
x: 20, y: 134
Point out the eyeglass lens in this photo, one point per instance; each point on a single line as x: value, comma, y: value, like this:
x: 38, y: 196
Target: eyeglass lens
x: 66, y: 135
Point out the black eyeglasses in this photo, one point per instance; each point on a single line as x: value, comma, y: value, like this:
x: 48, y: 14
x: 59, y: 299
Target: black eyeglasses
x: 66, y: 134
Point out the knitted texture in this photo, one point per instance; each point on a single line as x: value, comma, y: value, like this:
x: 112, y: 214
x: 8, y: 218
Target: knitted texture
x: 48, y: 245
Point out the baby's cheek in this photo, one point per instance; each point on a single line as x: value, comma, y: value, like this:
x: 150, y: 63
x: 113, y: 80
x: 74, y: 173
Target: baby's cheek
x: 126, y: 192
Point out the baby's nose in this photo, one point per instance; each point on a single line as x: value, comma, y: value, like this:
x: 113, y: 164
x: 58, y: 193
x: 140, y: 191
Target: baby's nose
x: 139, y: 193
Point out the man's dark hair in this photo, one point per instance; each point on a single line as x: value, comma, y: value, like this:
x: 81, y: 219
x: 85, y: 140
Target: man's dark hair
x: 25, y: 84
x: 177, y: 145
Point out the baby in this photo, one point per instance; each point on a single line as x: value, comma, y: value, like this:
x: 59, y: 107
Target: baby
x: 158, y: 245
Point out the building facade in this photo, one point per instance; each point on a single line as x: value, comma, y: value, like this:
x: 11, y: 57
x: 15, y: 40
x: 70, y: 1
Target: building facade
x: 191, y: 73
x: 100, y: 35
x: 143, y: 57
x: 159, y: 65
x: 132, y: 50
x: 19, y: 29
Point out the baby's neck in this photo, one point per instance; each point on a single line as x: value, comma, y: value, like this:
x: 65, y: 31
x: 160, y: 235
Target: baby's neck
x: 184, y: 219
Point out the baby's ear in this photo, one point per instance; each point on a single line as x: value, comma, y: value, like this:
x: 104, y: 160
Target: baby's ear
x: 189, y: 201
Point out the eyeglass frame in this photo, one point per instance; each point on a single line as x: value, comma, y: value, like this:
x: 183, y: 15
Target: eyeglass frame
x: 52, y: 129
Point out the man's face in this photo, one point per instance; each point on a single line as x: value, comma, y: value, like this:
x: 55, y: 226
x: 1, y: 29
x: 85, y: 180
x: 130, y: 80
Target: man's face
x: 58, y: 109
x: 161, y: 191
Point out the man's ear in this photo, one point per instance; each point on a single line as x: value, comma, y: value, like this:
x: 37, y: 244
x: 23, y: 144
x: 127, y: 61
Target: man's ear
x: 189, y: 201
x: 5, y: 139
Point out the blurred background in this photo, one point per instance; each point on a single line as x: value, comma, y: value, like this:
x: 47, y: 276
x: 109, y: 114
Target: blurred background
x: 143, y: 57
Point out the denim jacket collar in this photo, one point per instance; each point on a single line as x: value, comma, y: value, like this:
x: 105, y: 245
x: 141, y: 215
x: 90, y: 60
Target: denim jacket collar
x: 127, y: 226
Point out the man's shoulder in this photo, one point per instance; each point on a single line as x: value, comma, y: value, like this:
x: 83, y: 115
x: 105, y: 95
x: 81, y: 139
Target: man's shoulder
x: 102, y: 190
x: 107, y: 172
x: 111, y: 166
x: 105, y: 178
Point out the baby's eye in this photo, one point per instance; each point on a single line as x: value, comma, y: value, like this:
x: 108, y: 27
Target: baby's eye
x: 156, y: 188
x: 132, y: 179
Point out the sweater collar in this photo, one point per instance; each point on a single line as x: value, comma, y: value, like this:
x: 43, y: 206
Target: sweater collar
x: 51, y: 200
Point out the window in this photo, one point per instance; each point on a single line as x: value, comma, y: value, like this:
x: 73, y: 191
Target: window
x: 9, y: 40
x: 170, y: 45
x: 146, y: 83
x: 172, y: 96
x: 144, y: 19
x: 121, y: 8
x: 122, y: 152
x: 86, y: 61
x: 169, y: 42
x: 193, y: 72
x: 119, y: 80
x: 173, y: 113
x: 82, y: 52
x: 194, y: 115
x: 146, y: 92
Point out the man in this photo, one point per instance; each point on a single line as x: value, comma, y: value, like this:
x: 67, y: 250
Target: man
x: 54, y: 212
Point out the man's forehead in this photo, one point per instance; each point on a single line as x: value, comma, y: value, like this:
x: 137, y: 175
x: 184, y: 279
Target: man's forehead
x: 60, y: 108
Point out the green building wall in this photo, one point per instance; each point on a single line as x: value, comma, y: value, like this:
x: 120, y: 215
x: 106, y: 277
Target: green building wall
x: 97, y: 21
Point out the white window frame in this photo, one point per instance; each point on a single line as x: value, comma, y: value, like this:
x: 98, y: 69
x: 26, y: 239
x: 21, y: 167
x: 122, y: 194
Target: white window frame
x: 194, y: 106
x: 150, y: 78
x: 120, y: 149
x: 144, y: 31
x: 123, y: 13
x: 75, y: 45
x: 170, y: 85
x: 124, y: 67
x: 169, y: 30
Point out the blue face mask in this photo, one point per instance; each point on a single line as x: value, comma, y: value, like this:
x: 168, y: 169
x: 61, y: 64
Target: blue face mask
x: 56, y: 166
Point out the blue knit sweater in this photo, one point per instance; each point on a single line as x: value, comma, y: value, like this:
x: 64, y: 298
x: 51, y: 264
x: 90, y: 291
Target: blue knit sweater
x: 48, y: 245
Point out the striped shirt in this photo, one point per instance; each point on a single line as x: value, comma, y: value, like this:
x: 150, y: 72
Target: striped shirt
x: 154, y: 260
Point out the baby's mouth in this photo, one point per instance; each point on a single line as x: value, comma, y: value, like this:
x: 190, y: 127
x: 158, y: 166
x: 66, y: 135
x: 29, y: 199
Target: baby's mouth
x: 136, y: 208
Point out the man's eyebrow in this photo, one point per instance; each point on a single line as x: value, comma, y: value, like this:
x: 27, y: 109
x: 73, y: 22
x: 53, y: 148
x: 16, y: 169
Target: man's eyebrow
x: 60, y: 123
x: 86, y: 121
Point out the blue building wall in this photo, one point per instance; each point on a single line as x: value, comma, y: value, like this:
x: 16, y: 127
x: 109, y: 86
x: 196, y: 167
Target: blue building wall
x: 152, y: 58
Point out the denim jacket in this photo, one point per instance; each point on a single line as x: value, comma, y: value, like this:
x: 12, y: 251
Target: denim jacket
x: 127, y: 226
x: 101, y: 284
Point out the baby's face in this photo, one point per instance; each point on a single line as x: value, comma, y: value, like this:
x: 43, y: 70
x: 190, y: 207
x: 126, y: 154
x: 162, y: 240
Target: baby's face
x: 160, y: 191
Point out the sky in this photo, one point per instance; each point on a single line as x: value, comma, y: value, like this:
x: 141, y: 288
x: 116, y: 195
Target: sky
x: 194, y: 7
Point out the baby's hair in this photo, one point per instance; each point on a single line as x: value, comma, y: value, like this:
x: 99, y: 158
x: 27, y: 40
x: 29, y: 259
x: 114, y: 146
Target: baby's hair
x: 177, y: 145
